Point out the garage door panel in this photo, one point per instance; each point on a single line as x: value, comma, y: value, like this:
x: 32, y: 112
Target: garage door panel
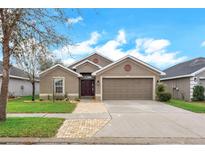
x: 127, y: 89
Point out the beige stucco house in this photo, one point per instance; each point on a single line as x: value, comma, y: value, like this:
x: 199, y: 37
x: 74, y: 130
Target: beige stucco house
x: 181, y: 78
x: 98, y: 77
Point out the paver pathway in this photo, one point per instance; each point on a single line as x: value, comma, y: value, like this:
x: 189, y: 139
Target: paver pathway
x: 80, y: 128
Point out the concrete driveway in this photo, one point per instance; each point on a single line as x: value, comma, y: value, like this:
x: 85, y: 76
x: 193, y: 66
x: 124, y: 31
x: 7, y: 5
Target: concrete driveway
x: 151, y: 119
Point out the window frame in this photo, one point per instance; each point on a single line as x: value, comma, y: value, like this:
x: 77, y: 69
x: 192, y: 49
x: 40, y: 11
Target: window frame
x: 63, y: 85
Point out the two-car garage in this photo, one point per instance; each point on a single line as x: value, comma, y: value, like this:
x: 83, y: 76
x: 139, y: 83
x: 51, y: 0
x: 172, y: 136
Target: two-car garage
x: 127, y: 88
x: 126, y: 79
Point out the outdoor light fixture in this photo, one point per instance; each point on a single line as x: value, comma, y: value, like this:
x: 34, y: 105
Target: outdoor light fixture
x: 98, y: 82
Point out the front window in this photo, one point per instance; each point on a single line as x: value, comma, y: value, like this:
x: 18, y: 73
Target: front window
x: 58, y: 82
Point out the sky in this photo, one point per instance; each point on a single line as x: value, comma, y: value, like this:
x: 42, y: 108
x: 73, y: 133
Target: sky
x: 160, y: 37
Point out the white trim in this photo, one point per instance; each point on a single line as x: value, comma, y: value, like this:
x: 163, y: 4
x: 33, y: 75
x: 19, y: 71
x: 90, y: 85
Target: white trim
x: 133, y: 58
x: 101, y: 88
x: 124, y: 77
x: 18, y: 77
x: 201, y: 78
x: 79, y: 75
x: 176, y: 77
x: 199, y: 71
x: 63, y: 93
x: 154, y: 88
x: 90, y: 56
x: 192, y: 84
x: 74, y: 67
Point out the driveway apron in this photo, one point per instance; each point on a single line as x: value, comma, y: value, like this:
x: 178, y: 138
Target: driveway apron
x: 151, y: 119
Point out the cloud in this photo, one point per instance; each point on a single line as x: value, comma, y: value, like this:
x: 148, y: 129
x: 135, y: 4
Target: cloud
x: 112, y: 47
x: 155, y: 51
x: 150, y: 45
x: 203, y: 44
x: 75, y: 20
x: 150, y: 50
x: 81, y: 48
x: 68, y: 61
x: 85, y: 47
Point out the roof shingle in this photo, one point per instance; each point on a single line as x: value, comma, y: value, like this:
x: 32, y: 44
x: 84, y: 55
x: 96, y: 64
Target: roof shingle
x: 185, y: 68
x: 14, y: 71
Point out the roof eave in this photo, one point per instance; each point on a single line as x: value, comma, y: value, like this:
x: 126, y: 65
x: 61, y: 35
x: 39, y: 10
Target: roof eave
x: 177, y: 77
x: 77, y: 74
x: 74, y: 67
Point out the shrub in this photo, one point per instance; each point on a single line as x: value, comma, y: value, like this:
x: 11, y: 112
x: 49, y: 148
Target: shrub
x: 198, y: 93
x: 160, y: 88
x: 164, y: 96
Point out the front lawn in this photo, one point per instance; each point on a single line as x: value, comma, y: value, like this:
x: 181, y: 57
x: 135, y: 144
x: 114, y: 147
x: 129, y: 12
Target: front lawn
x: 198, y: 107
x: 20, y: 105
x: 30, y: 127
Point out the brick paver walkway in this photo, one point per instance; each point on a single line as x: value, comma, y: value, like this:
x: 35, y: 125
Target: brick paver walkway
x: 81, y: 128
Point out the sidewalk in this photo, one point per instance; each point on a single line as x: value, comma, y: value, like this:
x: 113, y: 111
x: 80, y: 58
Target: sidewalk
x: 106, y: 140
x: 63, y: 115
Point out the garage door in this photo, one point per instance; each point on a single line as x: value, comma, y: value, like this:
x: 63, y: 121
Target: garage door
x: 127, y: 89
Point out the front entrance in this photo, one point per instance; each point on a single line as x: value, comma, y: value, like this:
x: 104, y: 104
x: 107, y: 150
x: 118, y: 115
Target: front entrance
x: 87, y: 87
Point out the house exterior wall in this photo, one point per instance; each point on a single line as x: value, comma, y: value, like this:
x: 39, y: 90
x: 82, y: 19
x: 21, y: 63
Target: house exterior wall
x: 71, y: 83
x: 197, y: 81
x: 86, y: 68
x: 101, y: 60
x: 179, y: 88
x: 19, y: 87
x: 137, y: 70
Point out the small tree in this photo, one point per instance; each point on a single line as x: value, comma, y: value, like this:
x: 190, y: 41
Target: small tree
x: 49, y: 61
x: 28, y: 58
x: 17, y: 25
x: 160, y: 88
x: 198, y: 93
x: 161, y: 93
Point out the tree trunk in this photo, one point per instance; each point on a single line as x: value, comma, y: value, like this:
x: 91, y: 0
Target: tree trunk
x: 33, y: 90
x: 5, y: 79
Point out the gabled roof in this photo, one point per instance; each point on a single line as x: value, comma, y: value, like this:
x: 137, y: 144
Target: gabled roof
x: 15, y: 72
x: 130, y: 57
x: 86, y: 61
x: 90, y: 56
x: 185, y: 69
x: 59, y: 65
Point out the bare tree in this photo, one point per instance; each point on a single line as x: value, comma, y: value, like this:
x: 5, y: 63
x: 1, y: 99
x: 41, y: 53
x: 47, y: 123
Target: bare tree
x: 17, y: 25
x: 48, y: 62
x: 29, y: 58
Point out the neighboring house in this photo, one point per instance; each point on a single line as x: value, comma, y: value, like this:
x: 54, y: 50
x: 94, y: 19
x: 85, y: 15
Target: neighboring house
x: 97, y: 76
x: 19, y: 84
x: 181, y: 78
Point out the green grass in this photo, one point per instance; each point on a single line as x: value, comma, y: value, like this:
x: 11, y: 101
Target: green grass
x: 198, y: 107
x: 30, y: 127
x: 19, y: 106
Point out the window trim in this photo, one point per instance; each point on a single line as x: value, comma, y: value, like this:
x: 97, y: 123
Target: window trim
x: 54, y: 86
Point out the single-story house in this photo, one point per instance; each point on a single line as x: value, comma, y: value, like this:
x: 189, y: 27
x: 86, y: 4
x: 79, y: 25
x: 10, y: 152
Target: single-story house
x: 19, y: 84
x: 181, y: 78
x: 97, y: 76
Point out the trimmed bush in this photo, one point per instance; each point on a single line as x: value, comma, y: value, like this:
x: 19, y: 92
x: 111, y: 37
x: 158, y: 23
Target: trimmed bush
x: 164, y: 96
x: 198, y: 93
x: 160, y: 88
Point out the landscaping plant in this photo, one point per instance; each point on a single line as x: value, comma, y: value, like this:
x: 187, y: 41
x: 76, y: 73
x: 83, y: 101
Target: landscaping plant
x: 198, y: 93
x: 161, y: 93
